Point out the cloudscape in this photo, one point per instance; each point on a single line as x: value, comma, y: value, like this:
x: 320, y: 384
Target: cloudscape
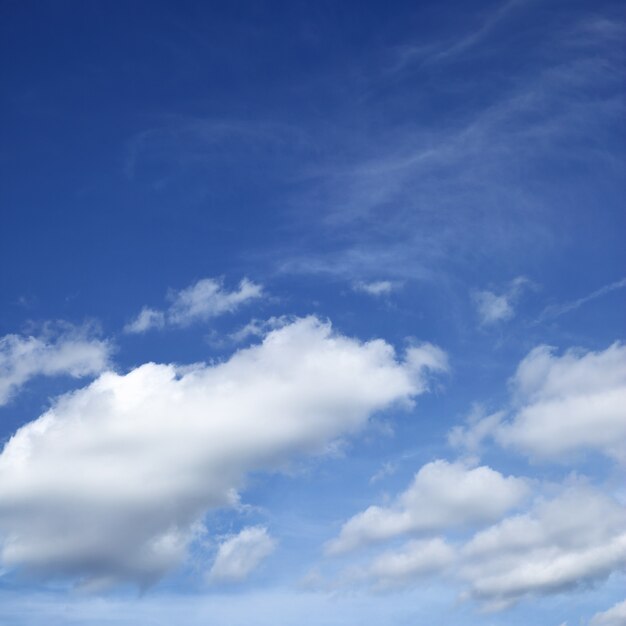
x: 313, y: 313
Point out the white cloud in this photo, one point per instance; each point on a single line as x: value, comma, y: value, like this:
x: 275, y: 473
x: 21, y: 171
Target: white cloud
x: 259, y: 328
x: 415, y: 560
x: 207, y: 299
x: 61, y: 350
x: 493, y: 308
x: 568, y: 404
x: 478, y: 428
x: 560, y: 406
x: 110, y: 484
x: 553, y: 311
x: 146, y: 320
x: 201, y: 301
x: 574, y: 540
x: 442, y: 495
x: 615, y: 616
x: 240, y: 555
x: 376, y: 288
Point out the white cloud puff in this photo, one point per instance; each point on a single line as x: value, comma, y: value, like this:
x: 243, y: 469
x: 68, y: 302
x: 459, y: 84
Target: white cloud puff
x: 416, y: 560
x: 561, y: 406
x: 568, y: 404
x: 58, y: 350
x: 442, y: 495
x: 146, y: 320
x: 201, y: 301
x: 576, y: 539
x: 615, y: 616
x: 493, y: 308
x: 238, y: 556
x: 109, y: 485
x: 376, y: 288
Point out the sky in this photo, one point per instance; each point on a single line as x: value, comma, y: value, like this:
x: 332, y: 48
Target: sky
x: 312, y: 313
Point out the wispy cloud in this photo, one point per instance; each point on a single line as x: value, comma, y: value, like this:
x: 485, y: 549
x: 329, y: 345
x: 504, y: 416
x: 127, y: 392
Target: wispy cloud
x: 499, y: 307
x: 199, y: 302
x: 556, y: 310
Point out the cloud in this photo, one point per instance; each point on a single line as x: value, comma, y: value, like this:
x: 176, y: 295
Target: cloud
x: 417, y: 559
x: 576, y: 539
x: 240, y: 555
x: 552, y: 311
x: 560, y: 406
x: 568, y: 404
x: 478, y: 428
x: 442, y: 495
x: 146, y: 320
x: 60, y: 350
x: 376, y: 288
x: 615, y: 616
x: 111, y: 484
x: 259, y: 328
x: 199, y: 302
x: 492, y: 307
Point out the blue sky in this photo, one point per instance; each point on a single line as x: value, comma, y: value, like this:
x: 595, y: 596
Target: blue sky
x: 312, y: 312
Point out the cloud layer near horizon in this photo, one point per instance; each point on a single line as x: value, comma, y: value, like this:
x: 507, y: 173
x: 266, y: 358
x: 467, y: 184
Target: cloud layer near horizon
x: 110, y: 485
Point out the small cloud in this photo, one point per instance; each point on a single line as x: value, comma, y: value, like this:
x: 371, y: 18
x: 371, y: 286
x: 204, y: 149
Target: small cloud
x: 201, y: 301
x: 387, y: 469
x: 259, y: 328
x: 146, y: 320
x: 60, y: 349
x: 240, y: 555
x: 493, y: 308
x: 376, y: 288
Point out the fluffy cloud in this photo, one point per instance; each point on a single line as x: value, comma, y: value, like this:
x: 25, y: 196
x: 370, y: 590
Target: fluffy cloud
x: 417, y: 559
x: 576, y: 539
x: 110, y: 484
x: 615, y: 616
x: 442, y: 495
x: 569, y: 404
x: 239, y: 556
x: 376, y: 288
x: 201, y: 301
x: 560, y: 406
x: 64, y: 350
x: 493, y: 308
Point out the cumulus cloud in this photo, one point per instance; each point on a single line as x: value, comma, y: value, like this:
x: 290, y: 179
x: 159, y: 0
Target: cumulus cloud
x: 416, y: 560
x: 111, y: 483
x: 59, y: 350
x: 201, y: 301
x: 376, y: 288
x: 240, y: 555
x: 560, y: 406
x: 615, y: 616
x: 442, y: 495
x: 492, y: 307
x: 576, y: 539
x: 569, y: 403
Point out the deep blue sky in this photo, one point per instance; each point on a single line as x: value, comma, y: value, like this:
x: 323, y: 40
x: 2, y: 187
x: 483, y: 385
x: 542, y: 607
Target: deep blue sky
x: 442, y: 172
